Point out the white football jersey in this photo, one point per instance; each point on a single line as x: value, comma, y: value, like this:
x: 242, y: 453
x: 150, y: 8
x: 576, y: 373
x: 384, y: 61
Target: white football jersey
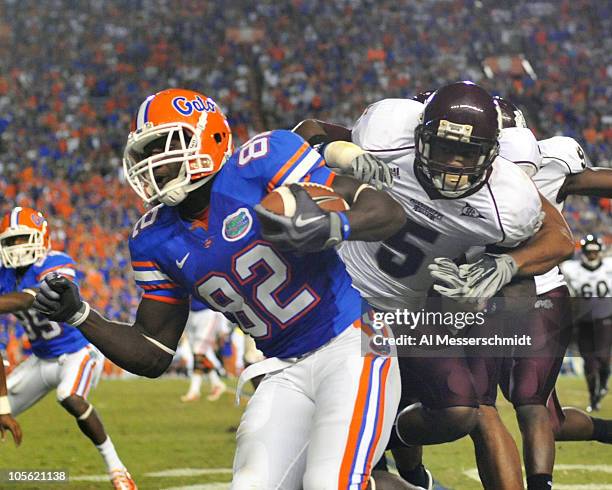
x: 591, y: 283
x: 504, y: 211
x: 519, y: 145
x: 561, y: 156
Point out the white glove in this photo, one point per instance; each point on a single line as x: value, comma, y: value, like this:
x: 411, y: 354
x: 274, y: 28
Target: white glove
x: 471, y: 283
x: 352, y: 160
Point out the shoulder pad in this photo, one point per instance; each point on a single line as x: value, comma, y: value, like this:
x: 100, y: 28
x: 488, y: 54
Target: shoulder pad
x: 388, y: 125
x: 567, y: 150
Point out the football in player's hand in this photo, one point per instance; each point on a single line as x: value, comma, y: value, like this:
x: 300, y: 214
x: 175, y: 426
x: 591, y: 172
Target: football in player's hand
x: 282, y: 201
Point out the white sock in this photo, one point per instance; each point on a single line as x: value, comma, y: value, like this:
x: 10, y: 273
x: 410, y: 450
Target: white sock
x: 196, y: 384
x: 214, y: 379
x: 109, y: 453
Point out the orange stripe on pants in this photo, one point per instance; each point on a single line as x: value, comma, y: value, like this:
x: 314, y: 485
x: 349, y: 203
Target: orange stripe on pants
x: 88, y: 382
x: 77, y: 382
x: 379, y: 422
x: 356, y: 421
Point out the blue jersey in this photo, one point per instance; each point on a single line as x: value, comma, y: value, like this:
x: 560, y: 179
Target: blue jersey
x: 197, y: 305
x: 48, y: 339
x: 290, y: 304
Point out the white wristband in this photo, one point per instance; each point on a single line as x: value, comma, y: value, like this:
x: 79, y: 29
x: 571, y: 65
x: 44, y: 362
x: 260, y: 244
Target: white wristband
x: 80, y: 316
x: 340, y: 154
x: 5, y: 406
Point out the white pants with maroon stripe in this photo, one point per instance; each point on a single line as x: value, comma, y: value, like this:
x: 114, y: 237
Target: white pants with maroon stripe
x: 319, y: 424
x: 69, y: 374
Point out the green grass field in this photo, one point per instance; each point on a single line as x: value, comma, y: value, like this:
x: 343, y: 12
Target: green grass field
x: 154, y: 432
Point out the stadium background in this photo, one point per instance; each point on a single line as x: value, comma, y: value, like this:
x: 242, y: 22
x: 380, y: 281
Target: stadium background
x: 72, y: 75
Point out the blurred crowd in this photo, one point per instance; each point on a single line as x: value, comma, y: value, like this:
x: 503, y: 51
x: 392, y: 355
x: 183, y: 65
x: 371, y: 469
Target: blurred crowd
x: 74, y: 73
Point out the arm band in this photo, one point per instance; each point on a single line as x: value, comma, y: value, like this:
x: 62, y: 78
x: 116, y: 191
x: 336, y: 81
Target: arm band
x: 80, y: 316
x: 5, y: 406
x: 168, y: 350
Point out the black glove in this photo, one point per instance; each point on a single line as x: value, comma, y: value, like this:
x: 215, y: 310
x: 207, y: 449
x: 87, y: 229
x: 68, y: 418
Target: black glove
x: 58, y: 298
x: 309, y: 230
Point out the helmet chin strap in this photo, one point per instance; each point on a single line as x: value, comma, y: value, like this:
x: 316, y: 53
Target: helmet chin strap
x: 591, y: 263
x: 178, y: 194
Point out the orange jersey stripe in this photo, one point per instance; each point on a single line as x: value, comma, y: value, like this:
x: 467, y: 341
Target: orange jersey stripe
x: 165, y: 299
x: 381, y: 415
x: 51, y: 269
x: 143, y: 264
x: 158, y: 286
x: 358, y: 413
x: 330, y: 179
x: 281, y: 173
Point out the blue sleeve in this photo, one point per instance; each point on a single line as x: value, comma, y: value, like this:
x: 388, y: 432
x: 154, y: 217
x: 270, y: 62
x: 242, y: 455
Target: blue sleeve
x: 281, y: 157
x: 59, y: 263
x: 156, y: 285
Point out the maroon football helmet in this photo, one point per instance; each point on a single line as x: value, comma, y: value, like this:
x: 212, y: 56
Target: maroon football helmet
x: 456, y: 141
x: 422, y: 96
x: 512, y: 116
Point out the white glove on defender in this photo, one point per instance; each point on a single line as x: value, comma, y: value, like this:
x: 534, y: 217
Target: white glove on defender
x: 469, y: 283
x: 353, y: 160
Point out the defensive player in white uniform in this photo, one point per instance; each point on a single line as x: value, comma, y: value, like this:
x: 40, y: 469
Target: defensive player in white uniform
x: 590, y: 279
x: 203, y: 328
x: 528, y: 382
x: 62, y: 358
x: 457, y: 191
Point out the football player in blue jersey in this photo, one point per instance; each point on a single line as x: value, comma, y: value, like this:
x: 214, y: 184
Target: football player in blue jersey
x: 62, y: 358
x: 323, y: 413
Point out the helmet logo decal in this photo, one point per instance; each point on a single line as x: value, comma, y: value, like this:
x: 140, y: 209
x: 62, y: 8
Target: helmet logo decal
x: 186, y: 107
x: 37, y: 219
x: 459, y: 132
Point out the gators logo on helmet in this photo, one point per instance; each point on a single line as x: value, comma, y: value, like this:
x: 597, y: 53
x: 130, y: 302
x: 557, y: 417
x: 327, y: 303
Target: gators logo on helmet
x: 180, y: 139
x: 24, y: 237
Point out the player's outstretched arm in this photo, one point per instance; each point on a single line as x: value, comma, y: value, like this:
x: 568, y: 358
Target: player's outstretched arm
x: 316, y: 132
x: 334, y: 143
x: 7, y: 422
x: 551, y: 245
x: 595, y: 182
x: 16, y: 301
x: 374, y: 215
x: 145, y: 348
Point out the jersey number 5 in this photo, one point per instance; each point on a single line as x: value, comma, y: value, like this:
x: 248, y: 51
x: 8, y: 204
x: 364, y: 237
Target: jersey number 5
x: 398, y: 256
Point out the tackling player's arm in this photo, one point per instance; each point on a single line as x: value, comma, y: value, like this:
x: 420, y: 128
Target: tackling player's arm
x: 596, y: 182
x: 7, y: 422
x: 334, y: 143
x: 552, y: 244
x: 16, y: 301
x: 373, y: 215
x: 317, y: 132
x: 549, y: 246
x: 145, y: 348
